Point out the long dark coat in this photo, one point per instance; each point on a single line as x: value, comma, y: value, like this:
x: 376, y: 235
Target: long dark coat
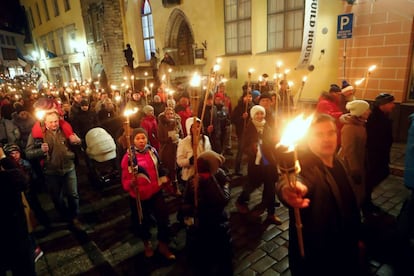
x: 331, y: 223
x: 379, y: 142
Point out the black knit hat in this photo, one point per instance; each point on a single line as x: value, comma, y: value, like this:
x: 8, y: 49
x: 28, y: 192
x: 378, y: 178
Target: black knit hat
x: 334, y: 88
x: 384, y: 98
x: 9, y: 148
x: 265, y: 95
x: 84, y: 102
x: 139, y: 130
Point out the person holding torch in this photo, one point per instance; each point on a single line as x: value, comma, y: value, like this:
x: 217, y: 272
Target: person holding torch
x: 329, y: 218
x: 51, y: 143
x: 143, y: 177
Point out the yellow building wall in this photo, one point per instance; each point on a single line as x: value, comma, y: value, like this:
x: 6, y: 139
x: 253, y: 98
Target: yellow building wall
x: 65, y: 18
x: 206, y: 20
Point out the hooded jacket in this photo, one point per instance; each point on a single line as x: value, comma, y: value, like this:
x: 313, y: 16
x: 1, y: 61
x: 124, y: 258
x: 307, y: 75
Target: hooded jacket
x: 185, y: 151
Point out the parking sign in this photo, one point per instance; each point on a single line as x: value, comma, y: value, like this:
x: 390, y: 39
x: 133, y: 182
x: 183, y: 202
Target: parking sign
x: 344, y: 28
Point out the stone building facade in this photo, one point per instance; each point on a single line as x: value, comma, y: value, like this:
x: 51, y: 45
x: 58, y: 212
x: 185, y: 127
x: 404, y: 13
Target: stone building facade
x: 104, y: 40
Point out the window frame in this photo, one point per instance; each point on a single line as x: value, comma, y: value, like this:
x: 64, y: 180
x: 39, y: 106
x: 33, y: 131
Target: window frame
x: 286, y: 33
x: 31, y: 18
x: 46, y: 7
x: 66, y: 4
x: 56, y: 8
x: 39, y: 18
x: 147, y: 25
x: 238, y: 27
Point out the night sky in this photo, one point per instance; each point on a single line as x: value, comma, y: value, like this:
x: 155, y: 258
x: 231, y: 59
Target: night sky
x: 12, y: 16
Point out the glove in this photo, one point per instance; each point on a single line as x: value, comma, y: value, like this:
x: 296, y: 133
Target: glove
x: 191, y: 160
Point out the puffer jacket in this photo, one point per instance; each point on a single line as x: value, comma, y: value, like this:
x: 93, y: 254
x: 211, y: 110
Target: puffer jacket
x: 185, y: 152
x: 149, y: 175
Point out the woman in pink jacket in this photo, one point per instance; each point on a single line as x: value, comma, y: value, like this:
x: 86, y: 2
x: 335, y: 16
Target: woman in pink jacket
x: 145, y: 176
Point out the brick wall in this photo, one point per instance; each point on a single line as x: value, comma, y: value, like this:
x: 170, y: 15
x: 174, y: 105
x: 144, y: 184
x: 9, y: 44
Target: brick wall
x: 381, y: 36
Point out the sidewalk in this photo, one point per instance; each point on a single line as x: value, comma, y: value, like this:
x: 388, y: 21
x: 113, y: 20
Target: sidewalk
x: 107, y: 247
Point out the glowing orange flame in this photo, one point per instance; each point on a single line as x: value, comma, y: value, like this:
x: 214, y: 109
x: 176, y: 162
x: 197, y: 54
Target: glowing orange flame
x: 129, y: 112
x: 40, y: 114
x: 294, y: 131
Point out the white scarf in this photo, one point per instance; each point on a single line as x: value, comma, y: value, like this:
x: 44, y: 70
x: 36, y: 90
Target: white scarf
x: 259, y: 127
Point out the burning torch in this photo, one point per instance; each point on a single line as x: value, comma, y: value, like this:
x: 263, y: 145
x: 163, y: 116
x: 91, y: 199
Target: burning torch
x: 288, y: 164
x: 127, y: 113
x: 194, y: 97
x: 40, y: 115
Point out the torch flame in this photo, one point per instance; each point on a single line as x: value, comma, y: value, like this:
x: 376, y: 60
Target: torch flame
x: 358, y: 82
x: 195, y: 80
x: 372, y: 68
x: 129, y: 112
x: 40, y: 114
x: 295, y: 130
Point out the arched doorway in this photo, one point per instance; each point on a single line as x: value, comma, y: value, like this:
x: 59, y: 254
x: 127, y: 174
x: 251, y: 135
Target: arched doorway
x: 179, y: 39
x: 99, y: 76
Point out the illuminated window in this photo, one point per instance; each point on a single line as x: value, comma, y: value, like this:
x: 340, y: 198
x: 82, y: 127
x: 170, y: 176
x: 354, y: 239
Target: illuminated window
x: 237, y: 21
x: 284, y: 24
x: 147, y: 29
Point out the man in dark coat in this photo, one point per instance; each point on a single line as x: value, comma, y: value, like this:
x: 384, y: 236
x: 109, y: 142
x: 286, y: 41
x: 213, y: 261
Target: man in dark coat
x: 327, y: 206
x: 378, y: 146
x: 211, y: 123
x: 239, y: 118
x: 84, y: 120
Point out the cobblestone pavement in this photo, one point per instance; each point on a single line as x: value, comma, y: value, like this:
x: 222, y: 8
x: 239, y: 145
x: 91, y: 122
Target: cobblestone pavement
x: 106, y: 246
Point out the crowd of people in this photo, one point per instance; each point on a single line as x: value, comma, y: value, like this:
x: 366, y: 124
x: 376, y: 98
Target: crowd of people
x: 170, y: 146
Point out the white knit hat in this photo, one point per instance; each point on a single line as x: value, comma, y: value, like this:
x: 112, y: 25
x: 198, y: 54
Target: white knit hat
x: 357, y: 107
x: 147, y: 109
x: 255, y: 109
x: 347, y: 88
x: 189, y: 122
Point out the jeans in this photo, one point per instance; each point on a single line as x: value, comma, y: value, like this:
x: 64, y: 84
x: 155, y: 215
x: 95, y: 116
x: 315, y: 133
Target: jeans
x: 61, y: 187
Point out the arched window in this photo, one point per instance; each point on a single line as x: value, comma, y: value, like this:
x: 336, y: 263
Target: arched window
x: 147, y: 29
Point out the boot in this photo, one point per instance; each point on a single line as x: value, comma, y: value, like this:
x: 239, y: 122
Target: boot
x: 148, y: 251
x: 165, y: 251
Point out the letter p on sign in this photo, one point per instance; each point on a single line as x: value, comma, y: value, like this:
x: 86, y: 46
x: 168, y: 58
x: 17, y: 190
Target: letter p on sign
x: 344, y: 28
x: 344, y: 22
